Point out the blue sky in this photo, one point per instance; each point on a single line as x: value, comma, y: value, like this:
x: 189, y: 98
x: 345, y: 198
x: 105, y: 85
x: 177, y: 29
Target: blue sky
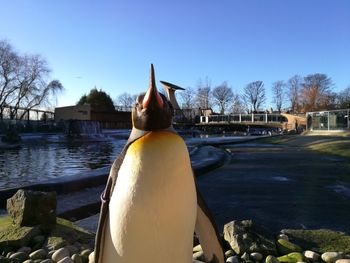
x: 110, y: 44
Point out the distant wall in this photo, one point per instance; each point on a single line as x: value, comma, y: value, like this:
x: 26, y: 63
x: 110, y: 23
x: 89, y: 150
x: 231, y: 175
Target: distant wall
x: 82, y: 112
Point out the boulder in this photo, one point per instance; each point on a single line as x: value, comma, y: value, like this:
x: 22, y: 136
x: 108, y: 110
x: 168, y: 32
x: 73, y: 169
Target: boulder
x: 30, y: 208
x: 17, y: 236
x: 244, y: 236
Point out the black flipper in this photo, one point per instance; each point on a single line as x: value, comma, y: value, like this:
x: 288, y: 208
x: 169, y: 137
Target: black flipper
x: 208, y: 234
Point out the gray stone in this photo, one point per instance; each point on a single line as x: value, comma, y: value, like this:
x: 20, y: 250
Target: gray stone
x: 21, y: 256
x: 47, y: 261
x: 244, y: 236
x: 38, y: 241
x: 331, y: 257
x: 245, y: 256
x: 197, y: 248
x: 30, y: 208
x: 28, y: 261
x: 77, y: 258
x: 72, y: 249
x: 311, y: 255
x: 256, y: 256
x: 60, y: 254
x: 66, y: 260
x: 91, y: 258
x: 38, y: 260
x: 229, y: 253
x: 50, y: 253
x: 283, y: 236
x: 86, y: 252
x: 38, y: 254
x: 26, y: 250
x: 17, y: 236
x: 343, y: 260
x: 232, y: 259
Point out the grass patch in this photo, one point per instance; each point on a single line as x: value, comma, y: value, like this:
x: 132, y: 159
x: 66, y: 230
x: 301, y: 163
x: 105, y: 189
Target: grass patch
x: 339, y: 148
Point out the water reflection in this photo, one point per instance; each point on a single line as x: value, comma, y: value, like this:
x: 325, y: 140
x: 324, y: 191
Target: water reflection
x: 37, y: 162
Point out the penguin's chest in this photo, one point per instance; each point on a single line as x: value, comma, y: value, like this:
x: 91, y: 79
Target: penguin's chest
x: 153, y: 205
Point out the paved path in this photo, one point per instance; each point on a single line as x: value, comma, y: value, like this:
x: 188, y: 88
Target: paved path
x: 280, y: 187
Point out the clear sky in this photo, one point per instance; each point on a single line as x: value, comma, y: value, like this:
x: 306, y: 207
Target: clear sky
x: 110, y: 44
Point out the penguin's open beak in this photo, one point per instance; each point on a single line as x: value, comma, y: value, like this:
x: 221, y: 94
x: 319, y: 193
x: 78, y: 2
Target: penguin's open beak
x: 152, y: 97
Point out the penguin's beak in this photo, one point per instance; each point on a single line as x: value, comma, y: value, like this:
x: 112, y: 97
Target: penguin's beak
x: 152, y: 97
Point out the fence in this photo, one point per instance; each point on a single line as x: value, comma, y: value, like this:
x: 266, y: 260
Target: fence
x: 244, y: 118
x: 334, y: 120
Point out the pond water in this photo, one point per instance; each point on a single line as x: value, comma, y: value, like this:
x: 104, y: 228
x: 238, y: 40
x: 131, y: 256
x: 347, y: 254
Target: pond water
x: 34, y: 162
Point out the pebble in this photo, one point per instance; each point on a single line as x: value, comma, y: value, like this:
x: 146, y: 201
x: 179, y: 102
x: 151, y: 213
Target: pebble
x: 229, y: 253
x: 92, y: 257
x: 255, y: 256
x: 50, y: 253
x: 66, y: 260
x: 331, y: 257
x: 343, y: 261
x: 60, y: 254
x: 86, y: 252
x: 47, y: 261
x: 29, y: 261
x: 38, y: 254
x: 197, y: 248
x: 311, y: 255
x: 77, y: 258
x: 38, y: 260
x: 245, y: 256
x: 232, y: 259
x: 21, y: 256
x: 72, y: 249
x: 198, y: 255
x: 26, y: 250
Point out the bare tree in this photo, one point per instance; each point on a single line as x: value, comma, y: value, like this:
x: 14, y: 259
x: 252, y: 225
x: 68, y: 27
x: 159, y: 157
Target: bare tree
x: 237, y: 104
x: 316, y: 92
x: 203, y: 94
x: 278, y: 94
x: 293, y: 90
x: 254, y: 95
x: 222, y: 96
x: 126, y: 101
x: 24, y: 82
x: 343, y: 99
x: 187, y: 98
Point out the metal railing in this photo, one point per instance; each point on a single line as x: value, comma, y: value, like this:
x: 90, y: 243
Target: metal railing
x: 244, y: 118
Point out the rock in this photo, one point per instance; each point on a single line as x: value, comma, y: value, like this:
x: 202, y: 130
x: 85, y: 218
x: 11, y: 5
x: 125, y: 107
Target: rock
x: 243, y: 236
x: 72, y: 249
x: 17, y: 236
x: 86, y: 252
x: 66, y: 260
x: 38, y: 254
x: 286, y: 247
x: 291, y: 258
x: 47, y: 261
x: 55, y: 242
x: 38, y: 260
x: 30, y: 208
x: 77, y: 258
x: 256, y: 256
x: 310, y: 255
x: 320, y: 240
x: 21, y: 256
x: 198, y: 255
x: 37, y: 241
x: 26, y: 250
x: 197, y: 248
x: 283, y: 236
x: 60, y: 254
x: 194, y: 261
x: 343, y: 260
x: 232, y: 259
x: 331, y: 257
x: 28, y: 261
x: 92, y: 257
x: 8, y: 260
x: 271, y: 259
x: 245, y: 256
x: 50, y: 253
x: 229, y: 253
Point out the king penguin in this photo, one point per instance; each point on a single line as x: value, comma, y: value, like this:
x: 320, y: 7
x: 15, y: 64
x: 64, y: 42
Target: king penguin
x: 150, y: 207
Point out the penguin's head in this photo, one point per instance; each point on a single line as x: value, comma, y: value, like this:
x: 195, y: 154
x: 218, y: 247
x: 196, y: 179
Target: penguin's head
x: 152, y: 110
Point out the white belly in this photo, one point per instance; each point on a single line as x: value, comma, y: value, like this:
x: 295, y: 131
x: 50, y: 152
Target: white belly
x: 152, y: 211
